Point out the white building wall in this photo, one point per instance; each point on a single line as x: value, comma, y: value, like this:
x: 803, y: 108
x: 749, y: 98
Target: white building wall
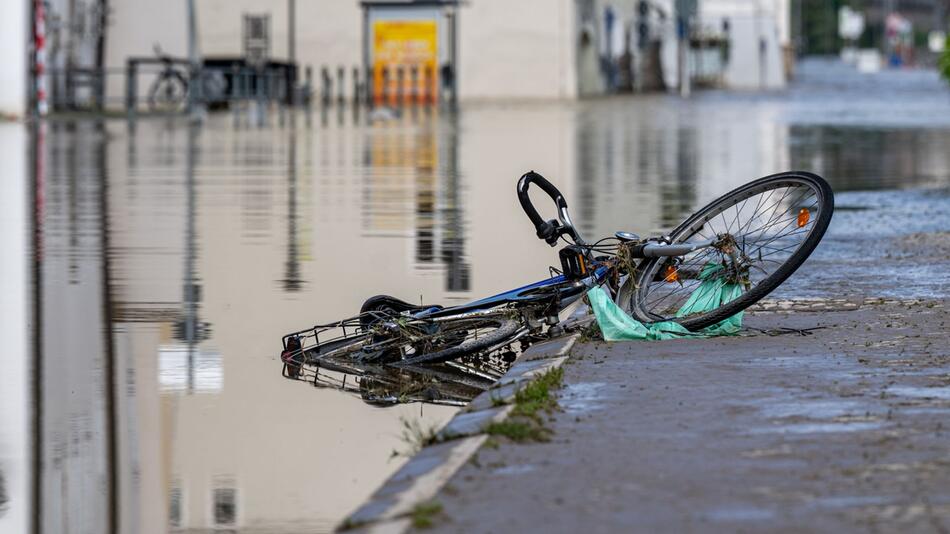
x: 15, y: 315
x: 137, y: 26
x: 328, y: 32
x: 521, y: 49
x: 670, y: 44
x: 751, y: 22
x: 14, y: 37
x: 506, y: 50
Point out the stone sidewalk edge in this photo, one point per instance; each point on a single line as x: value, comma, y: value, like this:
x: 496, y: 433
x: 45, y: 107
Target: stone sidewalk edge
x: 427, y: 472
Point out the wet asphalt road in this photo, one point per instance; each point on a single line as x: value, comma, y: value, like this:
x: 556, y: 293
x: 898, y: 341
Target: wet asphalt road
x: 844, y: 430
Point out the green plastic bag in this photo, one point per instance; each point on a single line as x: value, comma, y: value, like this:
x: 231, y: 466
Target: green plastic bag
x: 616, y: 325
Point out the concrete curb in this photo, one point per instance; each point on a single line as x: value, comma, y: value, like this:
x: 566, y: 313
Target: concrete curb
x: 426, y: 473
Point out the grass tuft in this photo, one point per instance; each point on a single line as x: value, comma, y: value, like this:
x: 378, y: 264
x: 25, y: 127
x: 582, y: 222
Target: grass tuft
x: 519, y: 430
x: 416, y: 436
x: 425, y: 513
x: 525, y: 422
x: 591, y: 333
x: 538, y: 395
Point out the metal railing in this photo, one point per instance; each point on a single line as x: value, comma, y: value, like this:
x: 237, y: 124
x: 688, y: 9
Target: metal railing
x: 404, y: 85
x: 170, y: 85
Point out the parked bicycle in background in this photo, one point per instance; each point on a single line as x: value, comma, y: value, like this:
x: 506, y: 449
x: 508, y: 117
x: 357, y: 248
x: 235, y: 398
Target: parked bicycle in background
x: 170, y: 91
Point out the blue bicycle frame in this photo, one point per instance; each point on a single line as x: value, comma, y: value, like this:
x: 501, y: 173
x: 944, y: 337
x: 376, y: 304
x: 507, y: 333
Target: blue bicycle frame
x: 558, y: 289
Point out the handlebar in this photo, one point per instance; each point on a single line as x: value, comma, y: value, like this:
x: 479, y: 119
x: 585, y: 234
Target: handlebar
x: 551, y: 230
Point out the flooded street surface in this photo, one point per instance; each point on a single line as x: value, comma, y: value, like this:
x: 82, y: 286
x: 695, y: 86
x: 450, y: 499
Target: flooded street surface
x: 174, y: 257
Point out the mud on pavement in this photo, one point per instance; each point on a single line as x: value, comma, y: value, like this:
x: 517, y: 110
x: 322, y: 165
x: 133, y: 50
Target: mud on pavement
x: 844, y: 429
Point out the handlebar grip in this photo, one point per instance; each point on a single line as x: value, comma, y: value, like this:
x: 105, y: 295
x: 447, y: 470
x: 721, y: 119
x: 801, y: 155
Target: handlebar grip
x: 544, y: 229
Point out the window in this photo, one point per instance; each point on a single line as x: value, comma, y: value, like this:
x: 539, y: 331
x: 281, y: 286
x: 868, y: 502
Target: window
x: 174, y: 507
x: 225, y: 506
x: 256, y: 36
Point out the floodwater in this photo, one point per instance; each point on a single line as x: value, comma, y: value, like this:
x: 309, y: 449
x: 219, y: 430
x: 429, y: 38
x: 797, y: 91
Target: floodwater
x: 152, y: 268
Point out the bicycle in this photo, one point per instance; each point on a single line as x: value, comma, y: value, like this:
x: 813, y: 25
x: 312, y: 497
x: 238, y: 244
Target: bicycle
x: 753, y: 238
x: 169, y: 92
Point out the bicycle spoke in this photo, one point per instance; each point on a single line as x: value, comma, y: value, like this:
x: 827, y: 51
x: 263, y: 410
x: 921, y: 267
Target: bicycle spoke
x: 766, y: 229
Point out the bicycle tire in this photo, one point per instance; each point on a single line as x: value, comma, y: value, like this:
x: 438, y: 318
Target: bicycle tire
x: 648, y: 268
x: 174, y: 78
x: 505, y: 329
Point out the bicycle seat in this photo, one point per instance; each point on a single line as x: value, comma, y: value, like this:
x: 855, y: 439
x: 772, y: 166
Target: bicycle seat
x: 390, y: 304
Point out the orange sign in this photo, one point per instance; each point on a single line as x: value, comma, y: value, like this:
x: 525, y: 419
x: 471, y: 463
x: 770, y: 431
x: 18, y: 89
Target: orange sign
x: 405, y: 61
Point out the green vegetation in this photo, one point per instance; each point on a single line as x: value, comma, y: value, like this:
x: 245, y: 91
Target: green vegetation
x: 416, y: 436
x: 525, y: 422
x: 943, y: 65
x: 519, y: 430
x: 591, y: 333
x: 819, y: 25
x: 425, y: 513
x: 538, y: 394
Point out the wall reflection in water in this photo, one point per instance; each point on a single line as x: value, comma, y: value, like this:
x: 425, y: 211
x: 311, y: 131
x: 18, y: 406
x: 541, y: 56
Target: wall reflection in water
x: 77, y: 434
x: 171, y: 257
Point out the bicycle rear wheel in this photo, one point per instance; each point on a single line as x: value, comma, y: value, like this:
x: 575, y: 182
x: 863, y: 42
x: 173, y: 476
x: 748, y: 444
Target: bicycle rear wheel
x: 401, y: 341
x: 461, y: 337
x: 775, y: 223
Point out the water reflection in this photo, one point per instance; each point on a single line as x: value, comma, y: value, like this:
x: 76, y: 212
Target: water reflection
x: 171, y: 257
x: 452, y: 383
x: 865, y: 158
x: 76, y: 433
x: 292, y: 280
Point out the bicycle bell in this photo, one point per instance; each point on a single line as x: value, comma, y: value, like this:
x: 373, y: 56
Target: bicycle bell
x: 627, y: 236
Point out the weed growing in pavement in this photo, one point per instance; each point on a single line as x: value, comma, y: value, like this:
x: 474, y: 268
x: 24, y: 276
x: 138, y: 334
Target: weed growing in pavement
x: 538, y: 394
x: 520, y: 430
x: 416, y: 436
x: 525, y: 422
x: 425, y: 513
x: 591, y: 333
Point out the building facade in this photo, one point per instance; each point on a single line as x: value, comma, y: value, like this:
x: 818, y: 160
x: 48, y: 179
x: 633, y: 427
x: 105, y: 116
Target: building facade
x: 481, y: 50
x: 757, y: 37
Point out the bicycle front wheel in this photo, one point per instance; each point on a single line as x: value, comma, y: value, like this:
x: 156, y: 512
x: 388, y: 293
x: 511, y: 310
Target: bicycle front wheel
x: 766, y: 230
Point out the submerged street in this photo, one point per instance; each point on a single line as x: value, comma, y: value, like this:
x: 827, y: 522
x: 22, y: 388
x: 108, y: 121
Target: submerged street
x: 170, y: 258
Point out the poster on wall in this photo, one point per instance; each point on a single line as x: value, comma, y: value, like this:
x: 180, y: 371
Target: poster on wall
x: 405, y: 61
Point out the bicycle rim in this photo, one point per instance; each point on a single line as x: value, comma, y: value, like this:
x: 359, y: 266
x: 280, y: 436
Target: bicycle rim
x: 460, y: 338
x: 775, y: 221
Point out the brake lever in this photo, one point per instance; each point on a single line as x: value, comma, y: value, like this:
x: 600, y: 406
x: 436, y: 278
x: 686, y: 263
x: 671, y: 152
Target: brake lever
x: 550, y: 231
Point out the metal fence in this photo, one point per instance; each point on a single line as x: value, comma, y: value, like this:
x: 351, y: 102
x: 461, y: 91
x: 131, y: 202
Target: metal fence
x: 171, y: 85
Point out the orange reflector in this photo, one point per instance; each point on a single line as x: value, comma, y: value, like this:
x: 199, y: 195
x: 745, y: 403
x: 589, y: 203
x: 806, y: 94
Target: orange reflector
x: 670, y: 274
x: 803, y: 216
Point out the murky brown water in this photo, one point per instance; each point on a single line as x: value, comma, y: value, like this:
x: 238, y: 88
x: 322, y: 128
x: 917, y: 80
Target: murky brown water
x: 175, y: 256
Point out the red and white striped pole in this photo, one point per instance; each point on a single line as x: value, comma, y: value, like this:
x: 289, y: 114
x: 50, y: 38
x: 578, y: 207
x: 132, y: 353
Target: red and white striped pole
x: 39, y: 49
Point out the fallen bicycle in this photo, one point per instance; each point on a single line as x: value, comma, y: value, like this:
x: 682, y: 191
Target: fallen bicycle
x: 694, y: 281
